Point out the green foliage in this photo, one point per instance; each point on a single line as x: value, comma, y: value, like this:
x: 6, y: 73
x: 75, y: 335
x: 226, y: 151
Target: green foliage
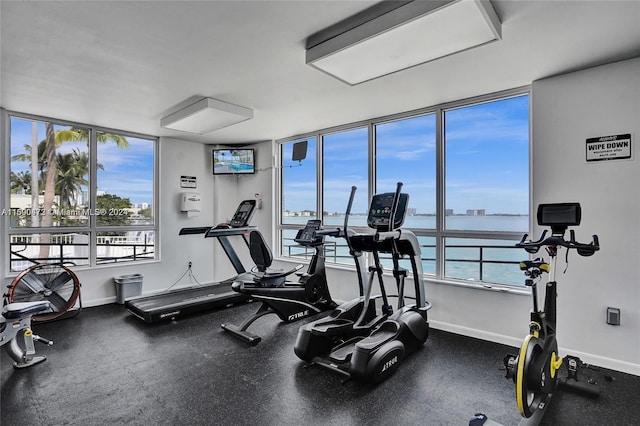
x: 112, y: 210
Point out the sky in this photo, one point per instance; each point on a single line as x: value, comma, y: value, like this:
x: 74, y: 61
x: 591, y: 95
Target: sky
x: 487, y: 162
x: 127, y: 173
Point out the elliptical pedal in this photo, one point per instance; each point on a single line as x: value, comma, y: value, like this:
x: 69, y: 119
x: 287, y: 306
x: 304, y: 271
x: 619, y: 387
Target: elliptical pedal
x: 343, y: 352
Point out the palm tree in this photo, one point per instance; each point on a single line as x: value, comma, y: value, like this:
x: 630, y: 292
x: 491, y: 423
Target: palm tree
x: 71, y: 178
x: 53, y: 140
x: 21, y: 182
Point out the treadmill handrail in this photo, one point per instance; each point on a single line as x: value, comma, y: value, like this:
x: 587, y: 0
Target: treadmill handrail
x: 225, y: 232
x: 193, y: 231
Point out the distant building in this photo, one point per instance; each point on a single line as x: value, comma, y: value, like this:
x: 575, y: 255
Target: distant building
x: 477, y: 212
x: 448, y: 212
x: 411, y: 212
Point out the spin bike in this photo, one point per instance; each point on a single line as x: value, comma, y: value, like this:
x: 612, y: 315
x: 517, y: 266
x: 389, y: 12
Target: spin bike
x: 535, y: 369
x: 16, y: 334
x: 290, y: 301
x: 355, y: 340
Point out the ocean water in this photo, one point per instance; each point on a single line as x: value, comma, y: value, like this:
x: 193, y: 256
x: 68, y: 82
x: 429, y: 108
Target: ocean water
x: 471, y: 260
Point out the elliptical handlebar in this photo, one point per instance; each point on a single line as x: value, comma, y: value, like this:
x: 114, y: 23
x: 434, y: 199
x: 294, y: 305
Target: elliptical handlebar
x: 558, y: 240
x: 346, y: 217
x: 394, y: 206
x: 390, y: 235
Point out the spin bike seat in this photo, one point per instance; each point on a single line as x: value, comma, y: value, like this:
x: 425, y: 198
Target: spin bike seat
x: 536, y: 263
x: 23, y: 309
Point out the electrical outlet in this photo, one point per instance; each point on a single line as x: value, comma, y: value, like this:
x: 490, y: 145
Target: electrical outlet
x: 613, y: 316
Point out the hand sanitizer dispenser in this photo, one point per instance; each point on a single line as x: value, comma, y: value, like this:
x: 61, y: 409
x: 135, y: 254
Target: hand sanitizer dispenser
x: 190, y: 203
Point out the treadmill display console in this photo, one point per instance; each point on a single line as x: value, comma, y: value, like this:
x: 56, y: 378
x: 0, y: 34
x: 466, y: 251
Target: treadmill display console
x: 380, y: 211
x: 243, y: 215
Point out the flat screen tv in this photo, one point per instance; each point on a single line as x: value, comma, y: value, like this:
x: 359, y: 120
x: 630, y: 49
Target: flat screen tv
x: 233, y: 161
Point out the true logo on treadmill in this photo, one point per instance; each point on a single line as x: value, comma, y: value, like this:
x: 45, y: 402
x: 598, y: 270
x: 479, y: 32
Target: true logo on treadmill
x: 170, y: 314
x: 298, y: 315
x: 389, y: 364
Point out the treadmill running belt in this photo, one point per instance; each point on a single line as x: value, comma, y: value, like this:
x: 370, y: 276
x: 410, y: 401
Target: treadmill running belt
x: 183, y: 301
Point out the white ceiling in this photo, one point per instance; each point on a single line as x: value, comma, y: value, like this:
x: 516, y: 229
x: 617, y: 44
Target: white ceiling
x: 126, y: 64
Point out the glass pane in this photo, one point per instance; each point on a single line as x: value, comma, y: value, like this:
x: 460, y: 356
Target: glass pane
x: 299, y: 185
x: 335, y: 249
x: 51, y: 191
x: 27, y: 250
x: 487, y: 166
x: 492, y: 261
x: 427, y: 254
x: 346, y: 163
x: 125, y: 180
x: 125, y: 246
x: 406, y: 152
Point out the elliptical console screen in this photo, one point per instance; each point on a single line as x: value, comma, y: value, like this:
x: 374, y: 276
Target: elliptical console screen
x: 380, y: 211
x: 243, y: 215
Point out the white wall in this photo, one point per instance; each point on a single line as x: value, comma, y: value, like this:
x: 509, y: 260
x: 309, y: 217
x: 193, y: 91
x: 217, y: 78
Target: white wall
x: 177, y: 158
x: 567, y: 110
x: 229, y: 191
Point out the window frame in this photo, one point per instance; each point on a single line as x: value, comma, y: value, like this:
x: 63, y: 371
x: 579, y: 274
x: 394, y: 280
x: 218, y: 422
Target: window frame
x: 440, y: 233
x: 91, y: 228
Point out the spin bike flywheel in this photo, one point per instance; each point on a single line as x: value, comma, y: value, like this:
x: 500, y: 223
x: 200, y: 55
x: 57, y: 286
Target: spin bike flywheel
x: 536, y: 376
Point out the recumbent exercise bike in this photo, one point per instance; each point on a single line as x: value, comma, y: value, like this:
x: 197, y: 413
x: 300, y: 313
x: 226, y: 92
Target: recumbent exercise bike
x: 290, y: 301
x: 16, y: 335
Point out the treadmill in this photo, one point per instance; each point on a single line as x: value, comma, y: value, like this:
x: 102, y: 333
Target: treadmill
x: 178, y: 302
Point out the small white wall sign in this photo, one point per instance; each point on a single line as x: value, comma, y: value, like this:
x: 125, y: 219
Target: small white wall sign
x: 614, y: 147
x: 188, y: 182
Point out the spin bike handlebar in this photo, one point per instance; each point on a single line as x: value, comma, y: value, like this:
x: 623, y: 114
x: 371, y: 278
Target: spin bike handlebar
x: 558, y: 240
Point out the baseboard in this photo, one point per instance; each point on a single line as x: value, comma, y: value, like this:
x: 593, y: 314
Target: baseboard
x: 477, y: 334
x: 98, y: 302
x: 600, y: 361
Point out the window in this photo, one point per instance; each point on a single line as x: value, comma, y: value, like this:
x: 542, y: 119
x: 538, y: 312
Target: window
x: 465, y: 166
x: 298, y: 195
x: 345, y: 160
x: 299, y: 184
x: 406, y: 152
x: 88, y: 199
x: 486, y: 189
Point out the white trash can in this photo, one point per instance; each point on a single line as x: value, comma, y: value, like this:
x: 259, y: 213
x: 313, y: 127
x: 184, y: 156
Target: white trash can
x: 128, y: 286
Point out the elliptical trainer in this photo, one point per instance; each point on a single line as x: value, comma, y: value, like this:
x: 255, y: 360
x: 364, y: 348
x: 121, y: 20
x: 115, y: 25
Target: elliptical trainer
x: 356, y: 340
x: 535, y: 369
x: 290, y: 301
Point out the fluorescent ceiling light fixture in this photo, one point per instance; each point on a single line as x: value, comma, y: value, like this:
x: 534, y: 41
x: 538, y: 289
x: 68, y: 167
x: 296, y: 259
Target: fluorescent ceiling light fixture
x: 205, y: 116
x: 395, y: 35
